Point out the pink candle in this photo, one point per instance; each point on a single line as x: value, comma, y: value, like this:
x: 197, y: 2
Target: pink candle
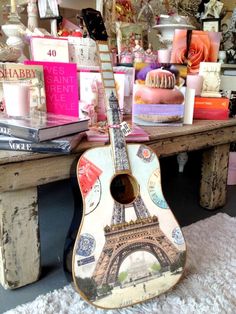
x: 17, y: 98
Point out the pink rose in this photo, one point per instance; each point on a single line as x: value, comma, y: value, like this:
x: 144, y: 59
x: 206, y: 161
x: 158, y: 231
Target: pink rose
x: 203, y: 47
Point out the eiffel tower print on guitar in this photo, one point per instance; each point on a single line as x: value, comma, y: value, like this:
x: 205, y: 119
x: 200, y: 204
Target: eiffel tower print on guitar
x: 129, y: 247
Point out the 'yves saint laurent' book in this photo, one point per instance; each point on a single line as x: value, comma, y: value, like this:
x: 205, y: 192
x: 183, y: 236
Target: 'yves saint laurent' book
x: 61, y: 87
x: 42, y: 126
x: 62, y: 145
x: 10, y: 71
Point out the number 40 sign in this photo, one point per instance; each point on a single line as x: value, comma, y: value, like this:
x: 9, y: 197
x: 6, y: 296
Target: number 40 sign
x: 49, y: 49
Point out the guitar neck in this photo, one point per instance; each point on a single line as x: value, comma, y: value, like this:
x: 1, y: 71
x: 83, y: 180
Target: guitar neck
x: 97, y: 31
x: 117, y: 138
x: 108, y: 82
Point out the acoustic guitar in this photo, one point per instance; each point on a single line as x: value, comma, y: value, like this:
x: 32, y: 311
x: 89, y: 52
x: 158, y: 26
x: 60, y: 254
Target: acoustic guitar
x: 129, y: 247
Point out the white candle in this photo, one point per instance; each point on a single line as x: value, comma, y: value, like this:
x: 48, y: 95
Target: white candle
x: 189, y: 105
x: 13, y: 6
x: 17, y: 98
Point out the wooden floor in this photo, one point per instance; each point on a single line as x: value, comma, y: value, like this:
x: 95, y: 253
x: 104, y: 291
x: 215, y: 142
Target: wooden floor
x: 56, y: 210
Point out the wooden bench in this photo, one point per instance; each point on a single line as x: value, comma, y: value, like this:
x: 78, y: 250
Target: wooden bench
x: 21, y: 173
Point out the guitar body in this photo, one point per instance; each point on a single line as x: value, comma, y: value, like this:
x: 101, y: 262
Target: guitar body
x: 129, y: 247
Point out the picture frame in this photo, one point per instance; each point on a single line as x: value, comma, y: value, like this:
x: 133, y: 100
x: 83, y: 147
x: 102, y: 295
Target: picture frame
x: 211, y: 25
x: 48, y: 9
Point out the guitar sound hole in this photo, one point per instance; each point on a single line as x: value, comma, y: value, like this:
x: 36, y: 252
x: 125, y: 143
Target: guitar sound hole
x: 124, y: 188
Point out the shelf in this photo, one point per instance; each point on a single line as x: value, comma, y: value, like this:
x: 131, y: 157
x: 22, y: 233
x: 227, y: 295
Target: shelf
x: 228, y: 66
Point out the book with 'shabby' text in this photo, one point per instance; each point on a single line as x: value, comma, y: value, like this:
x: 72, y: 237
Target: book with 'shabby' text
x: 63, y: 145
x: 41, y: 126
x: 11, y: 71
x: 61, y: 87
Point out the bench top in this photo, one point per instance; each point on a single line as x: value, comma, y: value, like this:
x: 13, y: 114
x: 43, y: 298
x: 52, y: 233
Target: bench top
x: 159, y: 134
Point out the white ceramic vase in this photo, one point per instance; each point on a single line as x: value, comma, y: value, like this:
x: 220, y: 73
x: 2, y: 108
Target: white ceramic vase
x: 167, y: 29
x: 222, y: 56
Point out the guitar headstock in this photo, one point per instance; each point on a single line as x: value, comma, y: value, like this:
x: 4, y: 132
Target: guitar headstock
x: 94, y: 24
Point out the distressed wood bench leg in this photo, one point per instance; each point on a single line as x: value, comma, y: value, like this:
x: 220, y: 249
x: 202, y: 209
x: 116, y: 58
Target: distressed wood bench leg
x: 19, y: 238
x: 214, y: 177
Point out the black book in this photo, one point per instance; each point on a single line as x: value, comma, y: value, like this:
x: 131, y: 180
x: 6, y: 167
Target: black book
x: 42, y: 126
x: 61, y: 145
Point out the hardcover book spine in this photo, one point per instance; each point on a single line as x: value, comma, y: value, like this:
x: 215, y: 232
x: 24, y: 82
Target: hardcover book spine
x: 23, y: 133
x: 211, y: 102
x: 16, y: 144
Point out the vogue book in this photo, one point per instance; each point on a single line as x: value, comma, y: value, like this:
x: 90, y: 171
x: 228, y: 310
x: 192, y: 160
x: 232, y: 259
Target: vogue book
x: 62, y: 145
x: 41, y: 126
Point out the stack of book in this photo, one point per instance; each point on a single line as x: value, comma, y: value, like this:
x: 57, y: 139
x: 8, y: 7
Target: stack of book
x: 42, y: 132
x: 54, y: 124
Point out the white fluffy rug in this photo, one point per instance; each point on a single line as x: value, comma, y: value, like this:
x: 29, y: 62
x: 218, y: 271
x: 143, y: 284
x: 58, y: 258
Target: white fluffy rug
x: 209, y: 284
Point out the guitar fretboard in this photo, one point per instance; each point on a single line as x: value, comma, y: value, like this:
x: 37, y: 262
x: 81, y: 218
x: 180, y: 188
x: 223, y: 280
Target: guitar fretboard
x: 117, y: 139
